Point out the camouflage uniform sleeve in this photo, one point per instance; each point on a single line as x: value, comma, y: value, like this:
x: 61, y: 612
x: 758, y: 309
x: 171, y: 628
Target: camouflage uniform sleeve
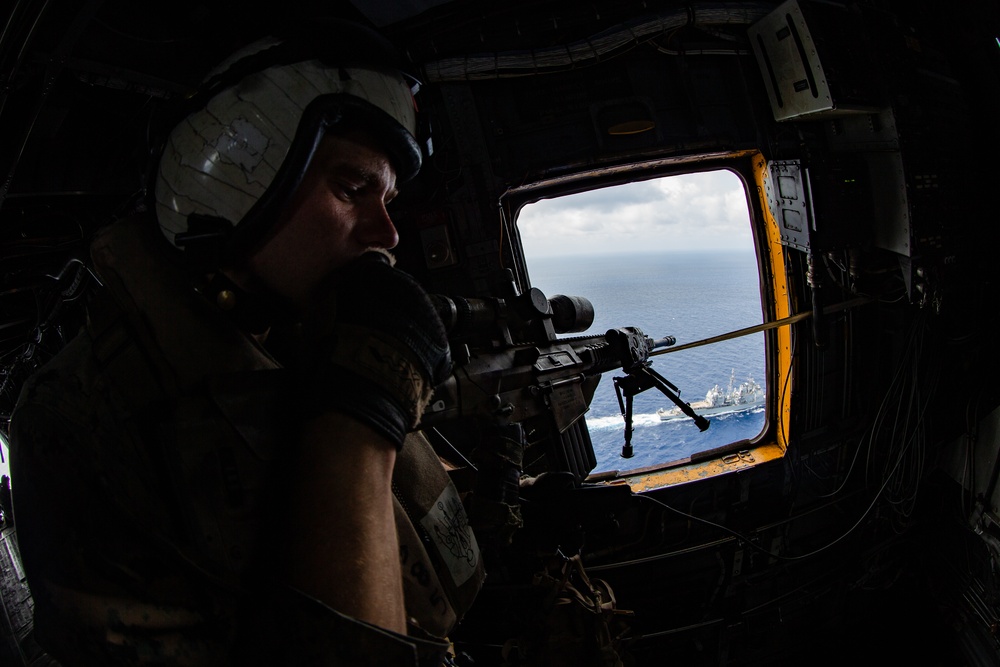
x: 92, y: 526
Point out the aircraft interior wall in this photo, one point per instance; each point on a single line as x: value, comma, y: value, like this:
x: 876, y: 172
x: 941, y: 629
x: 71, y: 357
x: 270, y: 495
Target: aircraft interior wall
x: 863, y: 522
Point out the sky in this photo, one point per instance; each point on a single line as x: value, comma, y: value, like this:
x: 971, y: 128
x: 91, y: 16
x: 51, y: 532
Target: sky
x: 674, y: 213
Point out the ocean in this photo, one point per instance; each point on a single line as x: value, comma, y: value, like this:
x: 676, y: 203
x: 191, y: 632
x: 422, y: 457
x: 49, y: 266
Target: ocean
x: 690, y: 296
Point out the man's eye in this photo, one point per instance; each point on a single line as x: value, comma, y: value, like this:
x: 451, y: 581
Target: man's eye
x: 347, y: 190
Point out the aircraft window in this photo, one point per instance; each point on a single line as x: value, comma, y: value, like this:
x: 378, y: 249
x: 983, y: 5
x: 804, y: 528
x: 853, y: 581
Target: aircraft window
x: 673, y: 256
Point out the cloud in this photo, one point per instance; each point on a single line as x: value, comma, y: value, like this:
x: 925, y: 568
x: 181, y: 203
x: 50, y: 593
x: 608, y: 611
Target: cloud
x: 700, y: 211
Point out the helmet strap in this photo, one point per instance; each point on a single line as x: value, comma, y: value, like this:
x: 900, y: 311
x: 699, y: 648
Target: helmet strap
x: 204, y: 242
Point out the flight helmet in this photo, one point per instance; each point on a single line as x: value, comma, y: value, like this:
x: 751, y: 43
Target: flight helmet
x: 230, y: 165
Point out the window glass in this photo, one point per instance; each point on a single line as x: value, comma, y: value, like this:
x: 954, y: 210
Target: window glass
x: 673, y: 256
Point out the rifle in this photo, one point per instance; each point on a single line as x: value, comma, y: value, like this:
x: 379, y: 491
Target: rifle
x: 510, y: 367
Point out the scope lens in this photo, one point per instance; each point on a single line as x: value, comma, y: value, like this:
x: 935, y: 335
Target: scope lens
x: 571, y: 314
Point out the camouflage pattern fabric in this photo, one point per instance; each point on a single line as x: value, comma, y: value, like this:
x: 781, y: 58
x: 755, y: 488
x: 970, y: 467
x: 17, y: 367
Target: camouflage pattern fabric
x: 145, y: 463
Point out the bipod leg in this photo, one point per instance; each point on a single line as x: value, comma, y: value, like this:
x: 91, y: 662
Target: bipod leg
x: 626, y: 410
x: 665, y: 387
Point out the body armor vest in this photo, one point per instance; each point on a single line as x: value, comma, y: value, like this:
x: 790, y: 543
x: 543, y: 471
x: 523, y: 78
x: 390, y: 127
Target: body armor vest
x: 209, y: 420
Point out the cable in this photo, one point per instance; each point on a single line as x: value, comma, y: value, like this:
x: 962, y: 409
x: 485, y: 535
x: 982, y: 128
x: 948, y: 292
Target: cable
x: 589, y: 50
x: 746, y: 540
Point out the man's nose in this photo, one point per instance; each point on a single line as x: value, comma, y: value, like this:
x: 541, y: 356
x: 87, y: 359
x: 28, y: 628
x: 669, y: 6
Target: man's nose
x: 378, y: 229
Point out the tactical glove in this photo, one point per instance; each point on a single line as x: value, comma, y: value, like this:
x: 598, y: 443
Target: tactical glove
x: 383, y: 352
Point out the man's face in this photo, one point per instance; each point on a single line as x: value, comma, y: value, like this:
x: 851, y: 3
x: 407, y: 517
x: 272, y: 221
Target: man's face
x: 337, y: 213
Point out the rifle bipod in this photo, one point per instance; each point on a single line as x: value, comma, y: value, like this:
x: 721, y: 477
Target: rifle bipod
x: 640, y: 378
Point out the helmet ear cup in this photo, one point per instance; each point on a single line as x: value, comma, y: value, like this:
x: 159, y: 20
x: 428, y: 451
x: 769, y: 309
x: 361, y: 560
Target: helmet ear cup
x: 249, y: 134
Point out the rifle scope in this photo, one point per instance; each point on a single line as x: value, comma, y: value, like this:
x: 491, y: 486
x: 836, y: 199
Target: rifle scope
x: 465, y: 316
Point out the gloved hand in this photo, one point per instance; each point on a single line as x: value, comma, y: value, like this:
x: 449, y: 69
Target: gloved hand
x: 380, y: 356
